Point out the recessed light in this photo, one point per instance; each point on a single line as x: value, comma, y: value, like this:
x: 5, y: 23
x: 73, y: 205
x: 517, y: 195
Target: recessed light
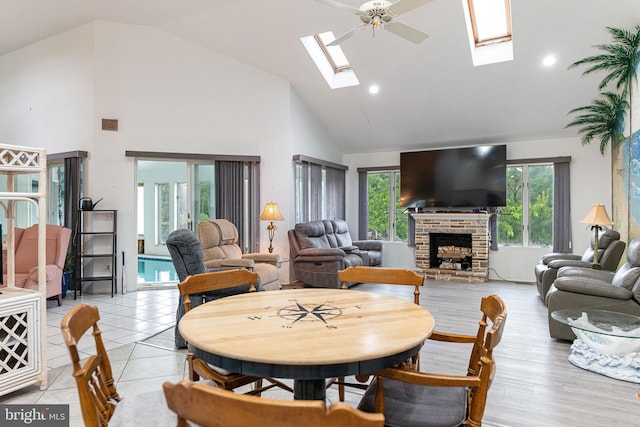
x: 373, y: 89
x: 549, y: 60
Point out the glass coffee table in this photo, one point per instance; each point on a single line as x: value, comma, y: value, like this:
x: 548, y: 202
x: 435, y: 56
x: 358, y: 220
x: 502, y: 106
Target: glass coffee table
x: 607, y: 342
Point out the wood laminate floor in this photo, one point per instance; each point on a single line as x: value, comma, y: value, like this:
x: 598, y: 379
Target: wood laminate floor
x: 535, y: 385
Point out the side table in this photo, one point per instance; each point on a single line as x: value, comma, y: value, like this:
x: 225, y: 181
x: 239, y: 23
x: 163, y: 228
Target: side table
x: 607, y: 343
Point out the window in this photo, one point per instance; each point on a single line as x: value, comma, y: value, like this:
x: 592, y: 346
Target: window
x: 319, y: 189
x: 380, y: 212
x: 528, y: 218
x: 163, y: 213
x: 489, y: 30
x: 330, y: 60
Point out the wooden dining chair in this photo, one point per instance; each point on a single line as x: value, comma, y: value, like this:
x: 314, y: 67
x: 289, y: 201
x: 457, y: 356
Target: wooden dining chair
x: 212, y: 407
x: 197, y: 284
x: 94, y: 379
x: 378, y: 275
x: 418, y: 399
x: 100, y: 403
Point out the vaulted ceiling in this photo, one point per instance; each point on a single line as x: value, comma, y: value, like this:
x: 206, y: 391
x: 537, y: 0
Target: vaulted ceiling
x: 430, y: 94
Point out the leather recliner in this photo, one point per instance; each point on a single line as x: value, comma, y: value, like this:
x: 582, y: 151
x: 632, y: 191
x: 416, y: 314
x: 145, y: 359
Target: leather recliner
x: 319, y: 249
x: 188, y: 259
x: 610, y: 250
x: 219, y: 240
x: 577, y: 287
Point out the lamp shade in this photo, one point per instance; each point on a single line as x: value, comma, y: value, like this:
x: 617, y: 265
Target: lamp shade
x: 271, y: 212
x: 597, y: 216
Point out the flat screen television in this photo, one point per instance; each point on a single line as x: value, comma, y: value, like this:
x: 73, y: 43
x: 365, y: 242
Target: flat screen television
x: 470, y: 177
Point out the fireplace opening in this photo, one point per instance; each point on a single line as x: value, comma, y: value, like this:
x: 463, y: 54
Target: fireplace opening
x: 450, y: 251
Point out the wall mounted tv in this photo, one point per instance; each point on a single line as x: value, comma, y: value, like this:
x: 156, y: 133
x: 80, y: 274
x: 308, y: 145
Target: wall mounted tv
x: 470, y: 177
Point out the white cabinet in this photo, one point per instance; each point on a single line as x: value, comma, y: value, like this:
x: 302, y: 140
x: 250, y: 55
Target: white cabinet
x: 20, y: 346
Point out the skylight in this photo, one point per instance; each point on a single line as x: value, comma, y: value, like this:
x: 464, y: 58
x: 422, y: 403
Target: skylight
x: 489, y: 28
x: 330, y: 60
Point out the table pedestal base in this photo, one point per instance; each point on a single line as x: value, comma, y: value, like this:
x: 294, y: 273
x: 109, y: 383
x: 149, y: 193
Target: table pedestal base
x: 626, y: 368
x: 309, y: 389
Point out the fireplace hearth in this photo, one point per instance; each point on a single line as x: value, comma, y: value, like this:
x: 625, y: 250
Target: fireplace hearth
x: 449, y: 251
x: 452, y: 246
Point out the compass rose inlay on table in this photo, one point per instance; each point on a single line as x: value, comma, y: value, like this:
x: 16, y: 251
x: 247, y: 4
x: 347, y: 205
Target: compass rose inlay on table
x: 306, y: 334
x: 305, y: 312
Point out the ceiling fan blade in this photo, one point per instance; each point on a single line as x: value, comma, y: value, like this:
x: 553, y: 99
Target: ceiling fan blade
x: 341, y: 6
x: 406, y: 32
x: 404, y: 6
x: 346, y: 35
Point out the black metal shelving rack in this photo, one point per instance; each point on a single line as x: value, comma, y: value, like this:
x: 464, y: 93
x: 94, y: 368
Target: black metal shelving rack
x: 96, y: 259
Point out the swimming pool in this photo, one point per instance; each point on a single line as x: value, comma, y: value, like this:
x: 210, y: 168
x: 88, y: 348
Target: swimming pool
x: 156, y: 270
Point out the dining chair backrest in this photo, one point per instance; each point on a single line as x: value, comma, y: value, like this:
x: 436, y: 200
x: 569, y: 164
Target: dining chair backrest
x: 378, y: 275
x: 209, y: 406
x: 94, y: 379
x: 421, y: 399
x: 481, y: 362
x: 199, y: 284
x: 214, y: 281
x: 382, y: 275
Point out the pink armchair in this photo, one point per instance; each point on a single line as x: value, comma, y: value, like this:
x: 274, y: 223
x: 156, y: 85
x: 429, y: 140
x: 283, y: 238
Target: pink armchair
x: 26, y: 258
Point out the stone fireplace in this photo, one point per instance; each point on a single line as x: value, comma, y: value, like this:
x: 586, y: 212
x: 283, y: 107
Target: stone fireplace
x: 452, y: 246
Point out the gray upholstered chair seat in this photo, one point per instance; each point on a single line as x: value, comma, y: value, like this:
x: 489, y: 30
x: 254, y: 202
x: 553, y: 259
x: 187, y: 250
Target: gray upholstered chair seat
x: 144, y: 409
x: 446, y: 406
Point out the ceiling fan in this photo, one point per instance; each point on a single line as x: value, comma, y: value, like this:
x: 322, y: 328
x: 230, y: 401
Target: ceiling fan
x: 381, y: 13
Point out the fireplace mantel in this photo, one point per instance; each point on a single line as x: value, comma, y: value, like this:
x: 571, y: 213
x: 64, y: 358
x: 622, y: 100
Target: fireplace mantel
x: 451, y: 216
x: 474, y: 223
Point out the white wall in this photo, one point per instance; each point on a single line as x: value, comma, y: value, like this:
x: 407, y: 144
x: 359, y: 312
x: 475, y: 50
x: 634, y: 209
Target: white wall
x: 46, y: 93
x: 590, y: 183
x: 168, y: 96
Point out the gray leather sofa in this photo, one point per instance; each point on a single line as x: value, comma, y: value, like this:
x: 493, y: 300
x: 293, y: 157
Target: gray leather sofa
x: 577, y: 287
x: 610, y: 250
x: 319, y: 249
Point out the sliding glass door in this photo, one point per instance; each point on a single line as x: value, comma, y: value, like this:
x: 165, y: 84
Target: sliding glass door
x: 172, y: 194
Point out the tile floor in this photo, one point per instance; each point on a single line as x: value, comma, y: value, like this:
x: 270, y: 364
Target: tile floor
x: 138, y: 334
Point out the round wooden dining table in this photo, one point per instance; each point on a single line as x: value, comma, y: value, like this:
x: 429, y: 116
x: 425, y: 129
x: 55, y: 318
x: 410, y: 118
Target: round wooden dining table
x: 307, y: 335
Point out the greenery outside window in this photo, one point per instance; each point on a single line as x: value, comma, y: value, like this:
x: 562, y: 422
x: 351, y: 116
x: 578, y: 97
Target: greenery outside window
x: 385, y: 219
x: 163, y: 212
x: 528, y: 218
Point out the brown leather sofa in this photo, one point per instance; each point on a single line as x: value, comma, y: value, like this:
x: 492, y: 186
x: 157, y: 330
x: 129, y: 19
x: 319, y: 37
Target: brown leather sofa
x: 319, y: 249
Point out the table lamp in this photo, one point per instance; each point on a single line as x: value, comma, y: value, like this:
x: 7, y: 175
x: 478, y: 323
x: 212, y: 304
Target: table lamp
x: 271, y: 213
x: 597, y: 217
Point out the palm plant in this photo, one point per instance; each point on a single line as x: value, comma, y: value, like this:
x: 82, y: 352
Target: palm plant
x: 620, y: 62
x: 602, y: 120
